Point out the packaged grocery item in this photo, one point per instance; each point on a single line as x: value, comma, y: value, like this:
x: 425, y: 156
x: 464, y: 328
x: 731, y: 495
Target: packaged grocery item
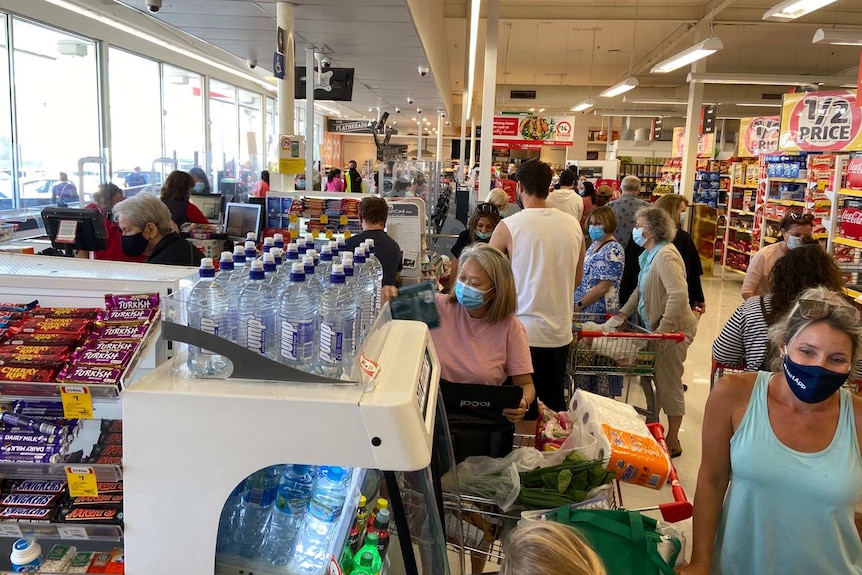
x: 74, y: 312
x: 110, y: 488
x: 32, y: 514
x: 24, y: 360
x: 99, y: 563
x: 40, y: 487
x: 100, y: 500
x: 132, y: 301
x: 87, y: 374
x: 59, y: 351
x: 126, y: 316
x: 96, y: 344
x: 108, y: 515
x: 80, y: 562
x: 21, y: 307
x: 121, y: 332
x: 34, y: 374
x: 58, y: 559
x: 110, y: 450
x: 55, y: 325
x: 115, y: 359
x: 26, y: 555
x: 117, y: 564
x: 29, y: 500
x: 51, y: 339
x: 112, y: 425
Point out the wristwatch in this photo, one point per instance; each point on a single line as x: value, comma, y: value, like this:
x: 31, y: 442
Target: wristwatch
x: 580, y: 304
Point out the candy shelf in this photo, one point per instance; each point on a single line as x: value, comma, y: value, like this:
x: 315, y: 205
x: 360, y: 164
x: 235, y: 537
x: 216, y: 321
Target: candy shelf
x: 734, y: 270
x: 70, y: 531
x: 737, y: 250
x: 848, y: 242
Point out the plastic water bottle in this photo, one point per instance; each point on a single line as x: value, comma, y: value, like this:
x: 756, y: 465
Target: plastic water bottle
x: 231, y: 516
x: 250, y: 237
x: 342, y: 247
x: 309, y: 243
x: 301, y: 246
x: 268, y: 244
x: 324, y: 509
x: 313, y: 253
x: 312, y: 283
x: 257, y: 312
x: 240, y: 264
x: 278, y: 240
x: 207, y: 311
x: 365, y: 293
x: 261, y: 489
x: 297, y: 314
x: 336, y: 317
x: 324, y: 269
x: 229, y: 278
x: 375, y: 268
x: 291, y: 504
x: 271, y: 273
x: 291, y: 253
x: 250, y: 252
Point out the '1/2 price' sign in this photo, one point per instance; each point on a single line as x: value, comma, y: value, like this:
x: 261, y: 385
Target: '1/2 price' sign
x: 821, y: 121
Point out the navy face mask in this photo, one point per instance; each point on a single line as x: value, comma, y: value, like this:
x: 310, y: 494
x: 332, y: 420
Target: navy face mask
x: 812, y: 383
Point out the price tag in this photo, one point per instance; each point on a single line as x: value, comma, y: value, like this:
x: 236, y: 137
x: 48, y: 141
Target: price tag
x: 72, y: 532
x: 294, y: 218
x: 342, y: 220
x: 329, y: 234
x: 10, y: 530
x: 82, y: 481
x: 347, y: 234
x: 67, y: 231
x: 77, y: 402
x: 294, y: 234
x: 324, y: 219
x: 333, y: 568
x: 315, y: 234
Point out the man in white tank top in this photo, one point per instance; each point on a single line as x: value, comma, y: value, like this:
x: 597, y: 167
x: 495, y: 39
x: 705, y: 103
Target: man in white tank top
x: 546, y: 248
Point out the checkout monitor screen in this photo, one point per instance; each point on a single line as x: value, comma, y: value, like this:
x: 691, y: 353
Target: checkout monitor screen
x: 240, y: 219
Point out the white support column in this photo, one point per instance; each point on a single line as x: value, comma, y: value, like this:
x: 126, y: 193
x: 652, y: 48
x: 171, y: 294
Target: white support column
x: 489, y: 95
x: 419, y: 144
x: 309, y: 113
x: 464, y: 164
x: 284, y: 17
x: 105, y: 107
x: 472, y: 143
x: 440, y: 137
x: 692, y: 133
x: 610, y: 143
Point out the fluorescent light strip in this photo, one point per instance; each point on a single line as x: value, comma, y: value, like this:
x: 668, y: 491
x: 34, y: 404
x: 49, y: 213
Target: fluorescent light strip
x: 771, y: 80
x: 621, y: 88
x: 157, y: 41
x: 697, y: 52
x: 583, y: 106
x: 327, y: 108
x: 793, y: 9
x: 474, y: 38
x: 837, y: 37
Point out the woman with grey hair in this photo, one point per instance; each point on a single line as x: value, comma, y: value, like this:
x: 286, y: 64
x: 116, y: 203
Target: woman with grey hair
x: 145, y: 223
x: 789, y: 440
x: 660, y: 302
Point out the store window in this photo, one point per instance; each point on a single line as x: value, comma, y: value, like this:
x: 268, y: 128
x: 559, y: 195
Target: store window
x: 225, y: 141
x: 136, y: 123
x: 250, y: 137
x: 57, y: 103
x: 271, y: 130
x: 7, y: 169
x: 183, y: 117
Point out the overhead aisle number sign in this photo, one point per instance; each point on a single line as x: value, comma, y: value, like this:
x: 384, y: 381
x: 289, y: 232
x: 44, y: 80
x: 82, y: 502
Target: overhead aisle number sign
x: 820, y: 122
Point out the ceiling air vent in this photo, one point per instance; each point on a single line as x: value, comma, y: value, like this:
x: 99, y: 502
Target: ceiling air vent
x: 772, y: 96
x: 522, y: 94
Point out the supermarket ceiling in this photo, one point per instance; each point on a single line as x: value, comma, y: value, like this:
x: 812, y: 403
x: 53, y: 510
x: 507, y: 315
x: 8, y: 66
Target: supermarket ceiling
x: 560, y: 48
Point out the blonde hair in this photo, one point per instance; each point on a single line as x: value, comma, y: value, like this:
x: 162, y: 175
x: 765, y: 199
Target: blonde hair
x: 497, y: 266
x: 499, y: 198
x: 671, y: 203
x: 548, y: 548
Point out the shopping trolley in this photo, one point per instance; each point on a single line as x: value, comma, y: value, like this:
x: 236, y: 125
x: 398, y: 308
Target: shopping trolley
x: 596, y: 357
x: 719, y: 369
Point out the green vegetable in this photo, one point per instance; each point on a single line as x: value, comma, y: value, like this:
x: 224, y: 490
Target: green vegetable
x: 564, y: 479
x: 563, y: 484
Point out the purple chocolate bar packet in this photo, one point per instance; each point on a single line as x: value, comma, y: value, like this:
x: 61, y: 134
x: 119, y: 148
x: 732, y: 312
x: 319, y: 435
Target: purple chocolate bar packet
x: 132, y: 301
x: 126, y: 316
x: 88, y: 374
x: 117, y: 359
x: 122, y: 332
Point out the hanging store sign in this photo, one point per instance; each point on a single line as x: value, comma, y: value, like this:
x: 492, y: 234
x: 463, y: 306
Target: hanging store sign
x: 707, y: 119
x: 351, y: 126
x: 820, y: 122
x: 705, y: 145
x: 518, y: 131
x: 758, y: 136
x: 291, y: 154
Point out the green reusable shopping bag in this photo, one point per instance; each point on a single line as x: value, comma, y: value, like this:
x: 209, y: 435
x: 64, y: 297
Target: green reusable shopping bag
x: 625, y: 540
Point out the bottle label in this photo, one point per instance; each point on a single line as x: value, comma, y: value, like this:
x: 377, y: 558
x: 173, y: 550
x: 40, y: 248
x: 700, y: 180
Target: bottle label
x: 211, y: 326
x: 324, y: 511
x: 262, y: 497
x: 330, y: 344
x: 256, y: 336
x: 295, y: 337
x: 293, y: 506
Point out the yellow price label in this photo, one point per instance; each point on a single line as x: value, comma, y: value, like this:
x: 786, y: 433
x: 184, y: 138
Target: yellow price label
x: 329, y: 234
x: 294, y: 234
x: 315, y: 234
x: 342, y: 220
x: 294, y: 218
x: 324, y: 219
x: 77, y: 402
x: 82, y: 481
x: 347, y: 234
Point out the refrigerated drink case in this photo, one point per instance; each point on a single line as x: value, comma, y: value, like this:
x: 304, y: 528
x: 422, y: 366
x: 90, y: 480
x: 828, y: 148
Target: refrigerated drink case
x: 191, y: 445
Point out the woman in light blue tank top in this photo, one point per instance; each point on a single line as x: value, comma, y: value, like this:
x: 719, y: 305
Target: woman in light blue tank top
x: 790, y: 439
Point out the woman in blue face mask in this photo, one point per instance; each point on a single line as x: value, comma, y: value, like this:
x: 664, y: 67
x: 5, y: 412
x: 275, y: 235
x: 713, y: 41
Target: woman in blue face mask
x: 790, y: 442
x: 603, y: 266
x: 660, y: 304
x: 479, y: 229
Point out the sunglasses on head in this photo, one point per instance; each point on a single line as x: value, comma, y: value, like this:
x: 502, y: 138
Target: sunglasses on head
x: 816, y: 310
x: 486, y: 208
x: 795, y: 218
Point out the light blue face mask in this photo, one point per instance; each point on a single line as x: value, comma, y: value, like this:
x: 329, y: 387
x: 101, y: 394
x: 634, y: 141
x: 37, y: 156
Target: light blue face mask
x: 597, y: 233
x: 468, y: 296
x: 199, y: 187
x: 793, y: 242
x: 638, y: 237
x: 483, y: 235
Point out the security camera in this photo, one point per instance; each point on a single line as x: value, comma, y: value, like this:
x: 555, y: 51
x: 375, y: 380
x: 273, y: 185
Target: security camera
x: 252, y: 63
x: 397, y: 110
x: 409, y: 100
x: 418, y: 110
x: 442, y: 114
x: 154, y: 5
x: 325, y: 63
x: 423, y: 71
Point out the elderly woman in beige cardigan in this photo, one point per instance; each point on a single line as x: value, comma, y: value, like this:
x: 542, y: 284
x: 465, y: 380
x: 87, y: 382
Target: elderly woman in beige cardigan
x: 660, y: 303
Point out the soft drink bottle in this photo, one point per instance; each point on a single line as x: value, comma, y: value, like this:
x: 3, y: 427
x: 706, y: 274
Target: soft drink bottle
x: 357, y: 532
x: 369, y: 547
x: 364, y: 565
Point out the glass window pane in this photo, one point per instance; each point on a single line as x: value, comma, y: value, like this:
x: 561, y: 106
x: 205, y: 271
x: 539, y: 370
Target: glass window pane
x: 251, y: 138
x: 224, y: 139
x: 271, y: 130
x: 136, y: 125
x: 184, y: 117
x: 7, y: 172
x: 55, y: 74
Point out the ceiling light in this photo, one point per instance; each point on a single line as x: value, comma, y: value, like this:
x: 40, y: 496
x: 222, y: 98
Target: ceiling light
x: 531, y: 110
x: 326, y: 108
x: 414, y: 119
x: 621, y: 88
x: 583, y: 106
x: 793, y: 9
x: 541, y: 110
x: 838, y: 37
x: 697, y: 52
x: 772, y: 80
x: 474, y: 38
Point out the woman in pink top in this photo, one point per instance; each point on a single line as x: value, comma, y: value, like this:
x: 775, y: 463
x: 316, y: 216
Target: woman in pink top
x: 334, y: 183
x: 479, y: 339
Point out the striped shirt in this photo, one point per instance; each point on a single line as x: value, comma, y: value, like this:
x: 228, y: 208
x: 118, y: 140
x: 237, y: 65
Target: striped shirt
x: 743, y: 339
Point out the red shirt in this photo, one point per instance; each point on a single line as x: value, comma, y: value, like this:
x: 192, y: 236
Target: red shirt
x: 114, y: 251
x: 511, y: 189
x: 194, y: 215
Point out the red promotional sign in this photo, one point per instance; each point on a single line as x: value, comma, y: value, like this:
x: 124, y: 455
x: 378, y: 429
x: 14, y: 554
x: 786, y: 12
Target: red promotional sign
x: 528, y: 132
x: 859, y: 81
x: 851, y: 223
x: 506, y: 126
x: 854, y: 174
x: 821, y: 121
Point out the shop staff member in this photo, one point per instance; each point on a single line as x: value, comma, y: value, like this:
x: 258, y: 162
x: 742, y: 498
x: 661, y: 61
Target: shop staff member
x: 794, y: 229
x: 373, y: 212
x: 352, y: 179
x: 105, y: 198
x: 145, y: 222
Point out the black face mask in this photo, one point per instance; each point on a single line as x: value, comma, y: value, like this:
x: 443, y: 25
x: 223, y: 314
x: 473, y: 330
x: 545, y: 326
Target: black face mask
x: 134, y: 245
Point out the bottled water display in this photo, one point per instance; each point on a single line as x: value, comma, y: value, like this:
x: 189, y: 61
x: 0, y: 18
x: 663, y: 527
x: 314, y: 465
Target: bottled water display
x: 364, y: 286
x: 257, y: 312
x: 230, y: 279
x: 231, y: 515
x: 291, y: 254
x: 336, y: 319
x: 268, y: 244
x: 376, y: 270
x: 286, y: 517
x: 297, y: 315
x: 312, y: 282
x: 278, y: 240
x: 261, y: 489
x: 207, y: 310
x: 316, y: 256
x: 324, y: 510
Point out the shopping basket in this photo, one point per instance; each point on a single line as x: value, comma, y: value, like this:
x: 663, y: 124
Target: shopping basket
x: 719, y: 369
x: 631, y: 351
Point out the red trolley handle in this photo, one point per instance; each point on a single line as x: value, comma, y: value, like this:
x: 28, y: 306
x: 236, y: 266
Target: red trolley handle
x: 676, y: 337
x: 681, y: 508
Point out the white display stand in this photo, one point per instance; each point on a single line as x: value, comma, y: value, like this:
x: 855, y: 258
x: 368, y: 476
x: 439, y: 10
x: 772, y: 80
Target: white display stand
x: 188, y: 443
